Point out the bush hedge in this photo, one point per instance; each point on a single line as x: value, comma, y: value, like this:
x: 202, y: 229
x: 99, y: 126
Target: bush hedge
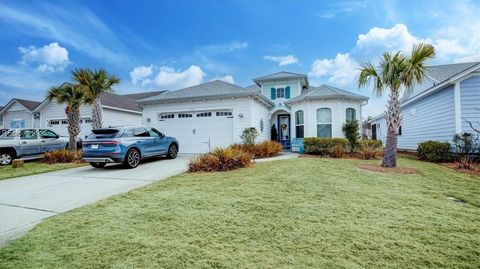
x: 220, y: 160
x: 263, y: 149
x: 331, y: 147
x: 370, y: 149
x: 62, y: 156
x: 434, y: 151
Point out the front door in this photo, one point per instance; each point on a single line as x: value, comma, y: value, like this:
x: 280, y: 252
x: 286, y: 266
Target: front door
x: 284, y: 130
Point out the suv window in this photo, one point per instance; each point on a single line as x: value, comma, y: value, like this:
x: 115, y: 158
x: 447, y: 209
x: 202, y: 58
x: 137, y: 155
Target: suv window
x: 140, y: 132
x: 28, y: 134
x: 103, y: 133
x: 46, y: 134
x: 127, y: 133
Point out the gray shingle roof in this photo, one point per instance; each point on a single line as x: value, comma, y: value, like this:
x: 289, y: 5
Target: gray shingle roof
x: 212, y: 89
x: 437, y: 74
x: 254, y: 87
x: 326, y: 92
x: 28, y: 104
x: 143, y: 95
x: 119, y: 101
x: 282, y: 75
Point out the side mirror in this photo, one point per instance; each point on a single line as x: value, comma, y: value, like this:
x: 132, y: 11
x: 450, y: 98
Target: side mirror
x: 162, y: 135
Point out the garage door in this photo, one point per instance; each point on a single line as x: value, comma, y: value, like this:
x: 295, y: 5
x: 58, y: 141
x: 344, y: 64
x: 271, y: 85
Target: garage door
x: 199, y: 131
x: 60, y: 126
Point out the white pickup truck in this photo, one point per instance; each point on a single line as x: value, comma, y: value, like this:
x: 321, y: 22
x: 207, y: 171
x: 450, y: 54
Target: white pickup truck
x: 28, y: 143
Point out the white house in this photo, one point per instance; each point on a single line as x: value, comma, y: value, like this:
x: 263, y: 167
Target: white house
x: 438, y: 108
x: 215, y: 113
x: 118, y: 110
x: 18, y: 113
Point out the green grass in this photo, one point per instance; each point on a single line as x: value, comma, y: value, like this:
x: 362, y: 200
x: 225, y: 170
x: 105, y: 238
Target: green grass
x: 300, y: 213
x: 33, y: 168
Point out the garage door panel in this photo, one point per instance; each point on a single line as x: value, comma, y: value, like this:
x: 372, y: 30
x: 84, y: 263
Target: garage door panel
x: 194, y: 133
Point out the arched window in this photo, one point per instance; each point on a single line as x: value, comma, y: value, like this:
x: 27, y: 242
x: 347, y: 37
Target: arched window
x: 324, y: 122
x: 299, y: 124
x: 351, y: 114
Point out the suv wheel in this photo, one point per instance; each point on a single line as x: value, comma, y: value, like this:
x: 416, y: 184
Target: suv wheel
x: 98, y: 165
x: 172, y: 151
x: 132, y: 158
x: 6, y: 158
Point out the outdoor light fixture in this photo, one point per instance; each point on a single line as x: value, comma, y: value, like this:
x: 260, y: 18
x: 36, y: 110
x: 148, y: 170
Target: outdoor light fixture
x: 240, y: 115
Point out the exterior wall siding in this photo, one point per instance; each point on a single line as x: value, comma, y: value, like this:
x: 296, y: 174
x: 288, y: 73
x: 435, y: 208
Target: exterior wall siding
x: 470, y: 101
x: 113, y: 117
x: 18, y: 115
x: 260, y: 113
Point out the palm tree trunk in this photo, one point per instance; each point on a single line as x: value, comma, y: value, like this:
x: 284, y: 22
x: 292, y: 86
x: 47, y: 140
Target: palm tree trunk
x: 73, y: 114
x: 393, y: 122
x: 97, y: 117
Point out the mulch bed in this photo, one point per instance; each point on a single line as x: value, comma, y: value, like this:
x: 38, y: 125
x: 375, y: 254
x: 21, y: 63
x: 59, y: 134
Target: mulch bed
x: 475, y: 171
x: 395, y: 170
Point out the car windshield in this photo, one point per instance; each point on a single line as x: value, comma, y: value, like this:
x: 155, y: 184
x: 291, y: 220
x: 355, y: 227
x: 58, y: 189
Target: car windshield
x: 103, y: 133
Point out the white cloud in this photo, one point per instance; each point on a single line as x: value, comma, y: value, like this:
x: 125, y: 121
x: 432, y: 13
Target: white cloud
x: 227, y: 78
x: 282, y: 60
x: 341, y: 70
x: 172, y: 79
x: 140, y: 74
x: 49, y: 58
x: 391, y: 39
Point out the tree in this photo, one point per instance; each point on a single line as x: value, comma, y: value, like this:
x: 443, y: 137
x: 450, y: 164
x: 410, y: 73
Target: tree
x: 95, y: 83
x: 249, y: 135
x: 394, y: 73
x: 74, y: 97
x: 351, y: 131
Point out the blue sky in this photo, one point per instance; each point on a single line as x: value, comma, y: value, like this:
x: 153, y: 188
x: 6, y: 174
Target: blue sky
x: 157, y: 45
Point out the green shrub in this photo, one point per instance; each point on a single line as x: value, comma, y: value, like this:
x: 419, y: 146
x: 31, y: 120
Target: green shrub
x: 352, y: 134
x: 434, y: 151
x: 62, y: 156
x: 331, y: 147
x: 249, y: 135
x: 370, y: 149
x: 260, y: 150
x: 220, y: 160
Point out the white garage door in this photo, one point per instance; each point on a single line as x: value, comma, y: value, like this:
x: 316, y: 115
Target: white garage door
x: 60, y: 126
x: 197, y: 132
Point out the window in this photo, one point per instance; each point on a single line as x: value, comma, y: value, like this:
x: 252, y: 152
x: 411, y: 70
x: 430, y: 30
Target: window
x: 28, y: 134
x: 299, y: 124
x: 204, y: 114
x: 17, y: 124
x: 184, y: 115
x: 46, y: 134
x: 280, y: 92
x: 88, y: 121
x: 140, y: 132
x: 224, y: 113
x: 350, y: 114
x: 64, y: 122
x: 1, y: 121
x: 167, y: 116
x: 400, y: 130
x: 54, y: 122
x: 324, y: 122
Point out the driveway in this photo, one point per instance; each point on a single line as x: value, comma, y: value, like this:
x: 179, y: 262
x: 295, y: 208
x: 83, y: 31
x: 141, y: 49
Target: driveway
x: 25, y: 201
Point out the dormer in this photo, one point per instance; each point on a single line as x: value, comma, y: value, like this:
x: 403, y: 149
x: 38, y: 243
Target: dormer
x: 282, y: 86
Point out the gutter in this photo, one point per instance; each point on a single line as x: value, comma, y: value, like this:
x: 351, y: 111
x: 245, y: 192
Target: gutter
x: 207, y: 97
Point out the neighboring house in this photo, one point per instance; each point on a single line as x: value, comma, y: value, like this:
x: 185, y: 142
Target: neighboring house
x: 118, y: 110
x: 18, y: 113
x: 438, y: 108
x: 214, y: 114
x: 1, y: 118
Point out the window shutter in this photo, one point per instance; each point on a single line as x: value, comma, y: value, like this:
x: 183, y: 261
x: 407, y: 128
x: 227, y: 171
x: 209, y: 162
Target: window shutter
x: 273, y: 93
x: 12, y: 124
x: 287, y: 92
x: 22, y: 124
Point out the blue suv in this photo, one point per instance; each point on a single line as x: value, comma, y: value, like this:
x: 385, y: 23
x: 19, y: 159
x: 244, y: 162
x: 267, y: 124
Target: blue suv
x: 127, y: 145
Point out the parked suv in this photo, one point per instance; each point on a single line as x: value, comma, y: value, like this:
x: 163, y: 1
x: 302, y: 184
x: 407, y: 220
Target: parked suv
x: 127, y: 145
x: 24, y: 143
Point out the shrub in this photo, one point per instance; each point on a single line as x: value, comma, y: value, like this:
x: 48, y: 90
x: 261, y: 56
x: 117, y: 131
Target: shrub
x: 370, y: 149
x: 465, y: 147
x: 220, y: 160
x: 351, y: 132
x: 434, y: 151
x: 332, y: 147
x: 249, y: 135
x: 62, y: 156
x: 260, y: 150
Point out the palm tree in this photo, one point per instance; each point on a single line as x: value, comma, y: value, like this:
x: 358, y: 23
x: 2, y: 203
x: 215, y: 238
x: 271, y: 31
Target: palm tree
x: 394, y: 73
x: 74, y: 97
x: 95, y: 83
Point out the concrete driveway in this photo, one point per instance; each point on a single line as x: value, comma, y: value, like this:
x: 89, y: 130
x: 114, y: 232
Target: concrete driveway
x: 25, y: 201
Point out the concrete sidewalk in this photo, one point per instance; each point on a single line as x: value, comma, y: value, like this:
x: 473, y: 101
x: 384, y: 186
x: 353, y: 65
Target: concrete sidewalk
x: 26, y: 201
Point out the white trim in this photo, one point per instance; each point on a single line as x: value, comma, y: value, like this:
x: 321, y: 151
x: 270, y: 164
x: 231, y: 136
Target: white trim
x: 121, y: 109
x: 458, y: 107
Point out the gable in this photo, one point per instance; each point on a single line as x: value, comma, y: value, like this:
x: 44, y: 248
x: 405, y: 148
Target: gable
x: 16, y: 107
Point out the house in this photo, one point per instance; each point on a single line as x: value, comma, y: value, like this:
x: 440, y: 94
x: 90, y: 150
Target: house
x: 117, y: 110
x: 215, y: 113
x: 438, y: 108
x: 18, y: 113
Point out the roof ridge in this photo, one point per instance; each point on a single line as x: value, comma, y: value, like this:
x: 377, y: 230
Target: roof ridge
x: 473, y: 62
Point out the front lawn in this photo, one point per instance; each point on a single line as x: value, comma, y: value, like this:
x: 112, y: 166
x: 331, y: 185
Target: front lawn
x: 299, y: 213
x: 33, y: 168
